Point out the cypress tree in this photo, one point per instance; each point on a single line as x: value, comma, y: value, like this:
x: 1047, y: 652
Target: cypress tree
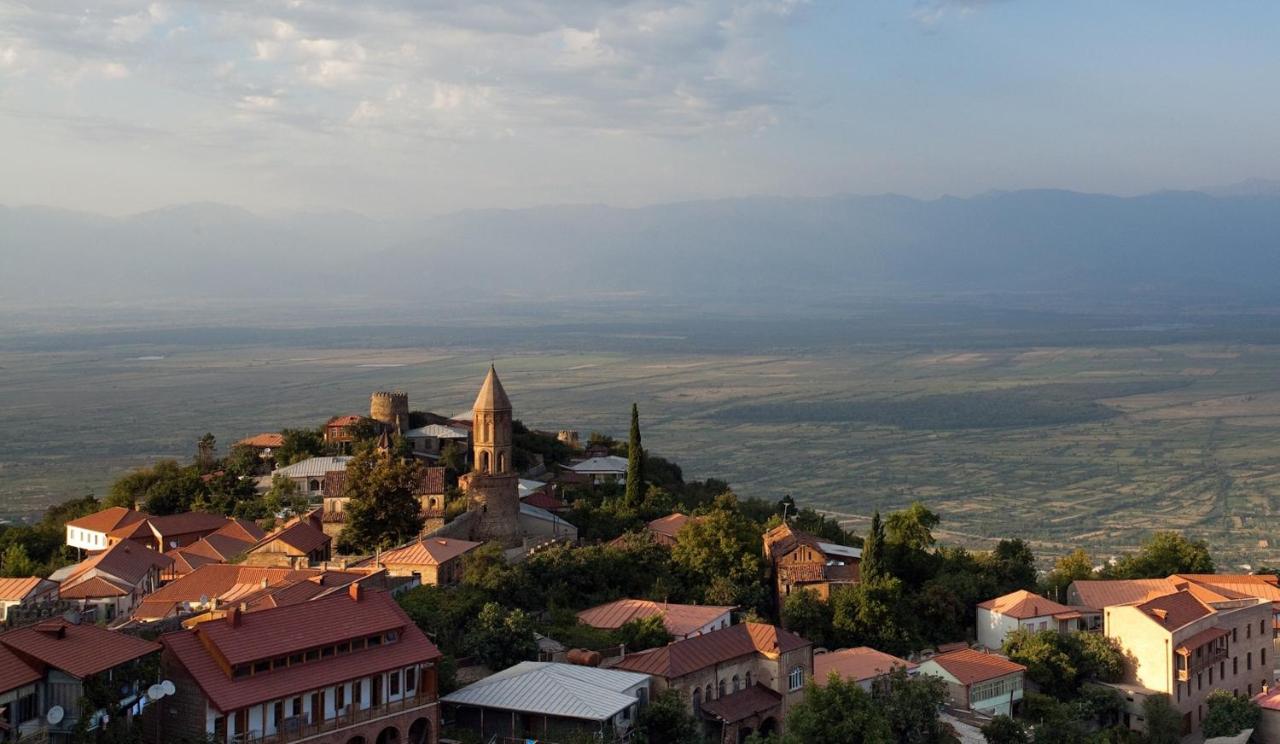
x: 635, y: 462
x: 872, y: 563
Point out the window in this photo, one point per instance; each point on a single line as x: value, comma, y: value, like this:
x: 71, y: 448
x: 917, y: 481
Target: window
x: 374, y: 641
x: 261, y: 666
x: 344, y: 647
x: 748, y: 679
x: 720, y: 689
x: 1262, y: 627
x: 1222, y: 670
x: 313, y: 654
x: 1248, y: 658
x: 737, y: 683
x: 295, y: 659
x: 1235, y: 664
x: 326, y: 652
x: 697, y: 699
x: 707, y: 694
x: 410, y: 679
x: 340, y: 697
x: 313, y: 485
x: 277, y: 711
x: 1211, y: 676
x: 279, y: 663
x: 1262, y: 658
x: 1235, y: 634
x: 240, y: 670
x: 393, y: 682
x: 795, y: 680
x: 297, y: 706
x: 997, y: 688
x: 1199, y: 681
x: 1248, y: 631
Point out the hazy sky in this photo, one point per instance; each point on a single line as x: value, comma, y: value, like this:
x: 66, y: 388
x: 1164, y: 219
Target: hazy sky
x: 424, y: 106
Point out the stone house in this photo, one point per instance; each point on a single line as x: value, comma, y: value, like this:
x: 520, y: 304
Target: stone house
x: 738, y: 680
x: 436, y: 561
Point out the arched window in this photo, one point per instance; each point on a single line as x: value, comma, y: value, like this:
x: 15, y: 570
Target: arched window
x: 502, y: 462
x: 736, y: 683
x: 748, y: 679
x: 313, y: 485
x: 720, y: 689
x: 795, y: 680
x: 707, y: 694
x: 484, y: 462
x: 488, y: 430
x: 697, y: 699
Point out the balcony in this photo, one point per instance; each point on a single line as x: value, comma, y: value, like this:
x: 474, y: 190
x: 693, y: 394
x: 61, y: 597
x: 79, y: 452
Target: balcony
x: 299, y: 731
x: 1204, y: 661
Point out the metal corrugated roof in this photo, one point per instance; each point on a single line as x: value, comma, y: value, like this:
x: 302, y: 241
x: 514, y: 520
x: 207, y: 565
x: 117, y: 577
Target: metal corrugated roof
x: 609, y: 464
x: 439, y: 431
x: 547, y: 688
x: 314, y: 467
x: 845, y: 550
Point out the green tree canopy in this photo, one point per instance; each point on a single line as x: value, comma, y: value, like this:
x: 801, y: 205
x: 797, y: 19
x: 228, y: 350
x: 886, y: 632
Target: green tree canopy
x: 644, y: 633
x: 298, y: 445
x: 912, y: 527
x: 1164, y: 723
x: 872, y: 563
x: 1163, y: 554
x: 1229, y: 714
x: 898, y: 709
x: 635, y: 462
x: 1005, y: 730
x: 500, y: 638
x: 384, y: 510
x: 666, y: 720
x: 15, y: 563
x: 1074, y: 566
x: 1060, y: 663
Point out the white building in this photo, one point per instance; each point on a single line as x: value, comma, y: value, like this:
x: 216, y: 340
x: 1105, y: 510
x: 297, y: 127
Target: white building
x: 602, y: 469
x: 981, y: 682
x: 309, y: 474
x: 999, y: 617
x: 93, y: 531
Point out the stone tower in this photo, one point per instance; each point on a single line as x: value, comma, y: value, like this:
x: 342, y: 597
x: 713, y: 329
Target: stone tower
x: 391, y: 409
x: 492, y: 486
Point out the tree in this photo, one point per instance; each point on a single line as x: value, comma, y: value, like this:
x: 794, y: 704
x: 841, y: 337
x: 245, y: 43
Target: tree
x: 1164, y: 723
x: 806, y: 615
x: 1060, y: 663
x: 1229, y: 714
x: 873, y: 613
x: 1101, y: 658
x: 666, y: 720
x: 1013, y: 565
x: 15, y: 563
x: 1005, y: 730
x: 635, y: 462
x: 1164, y: 554
x: 644, y: 633
x: 839, y: 712
x: 500, y: 638
x: 285, y: 497
x: 384, y: 510
x: 1074, y: 566
x: 911, y: 704
x: 171, y: 488
x: 912, y: 528
x: 872, y: 563
x: 207, y: 452
x: 299, y: 444
x: 722, y: 548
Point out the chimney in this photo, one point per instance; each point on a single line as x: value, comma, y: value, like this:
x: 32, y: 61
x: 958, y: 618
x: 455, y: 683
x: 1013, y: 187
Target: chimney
x: 233, y: 617
x: 1160, y: 613
x: 356, y: 592
x: 264, y: 584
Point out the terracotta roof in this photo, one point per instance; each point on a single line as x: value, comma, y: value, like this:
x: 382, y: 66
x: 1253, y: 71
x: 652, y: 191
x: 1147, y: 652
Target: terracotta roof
x: 971, y: 666
x: 1098, y: 593
x: 544, y: 500
x: 242, y: 529
x: 16, y: 590
x: 335, y: 482
x: 140, y: 530
x: 300, y: 536
x: 683, y: 657
x: 1176, y: 609
x: 670, y: 525
x: 186, y: 561
x: 1023, y: 604
x: 432, y: 482
x: 185, y: 523
x: 78, y: 650
x: 127, y: 561
x: 264, y: 441
x: 227, y: 583
x: 861, y: 663
x: 428, y: 551
x: 742, y: 704
x: 1190, y: 644
x: 344, y: 420
x: 679, y: 619
x: 108, y: 519
x: 1262, y: 586
x: 16, y: 672
x: 220, y: 547
x: 95, y: 587
x: 492, y: 396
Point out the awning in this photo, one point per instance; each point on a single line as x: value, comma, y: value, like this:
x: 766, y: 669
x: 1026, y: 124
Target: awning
x: 1187, y: 647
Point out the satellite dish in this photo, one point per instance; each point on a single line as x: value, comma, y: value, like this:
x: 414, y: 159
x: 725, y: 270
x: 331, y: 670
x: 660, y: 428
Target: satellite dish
x: 155, y: 692
x: 168, y: 687
x: 55, y: 715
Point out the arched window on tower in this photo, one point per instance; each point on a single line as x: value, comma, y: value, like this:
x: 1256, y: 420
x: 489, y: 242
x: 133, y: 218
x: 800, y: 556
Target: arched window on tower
x: 484, y: 462
x: 502, y: 462
x: 488, y: 429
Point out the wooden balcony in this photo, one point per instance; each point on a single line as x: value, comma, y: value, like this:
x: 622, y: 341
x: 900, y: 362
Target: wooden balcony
x: 297, y: 730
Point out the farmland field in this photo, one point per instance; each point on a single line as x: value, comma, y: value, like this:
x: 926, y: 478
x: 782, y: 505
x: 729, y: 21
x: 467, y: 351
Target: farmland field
x: 1069, y: 436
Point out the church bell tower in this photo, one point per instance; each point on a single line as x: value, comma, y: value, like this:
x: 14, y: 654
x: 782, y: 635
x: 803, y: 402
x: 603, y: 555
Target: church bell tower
x: 492, y: 486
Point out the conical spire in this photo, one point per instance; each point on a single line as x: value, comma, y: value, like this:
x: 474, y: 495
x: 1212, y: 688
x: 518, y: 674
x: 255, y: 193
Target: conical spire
x: 492, y: 397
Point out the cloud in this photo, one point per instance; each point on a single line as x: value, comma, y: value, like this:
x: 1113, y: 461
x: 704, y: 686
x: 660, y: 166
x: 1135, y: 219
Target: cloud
x: 933, y: 12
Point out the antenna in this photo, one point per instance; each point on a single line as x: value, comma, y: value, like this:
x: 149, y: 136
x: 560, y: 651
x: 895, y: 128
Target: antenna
x: 55, y: 715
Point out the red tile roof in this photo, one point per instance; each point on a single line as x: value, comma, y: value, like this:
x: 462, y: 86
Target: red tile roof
x: 543, y: 500
x: 16, y: 590
x: 858, y: 664
x: 16, y: 672
x: 687, y: 656
x: 242, y: 529
x: 1023, y: 604
x: 299, y: 535
x: 742, y: 704
x: 344, y: 420
x: 670, y: 525
x: 186, y: 560
x: 186, y: 523
x: 1098, y: 594
x: 971, y: 666
x: 262, y: 441
x: 227, y: 583
x: 95, y: 587
x: 679, y: 619
x: 108, y: 519
x: 1176, y: 609
x: 432, y: 482
x: 127, y: 561
x: 276, y: 632
x: 428, y: 551
x: 78, y: 650
x: 1189, y: 645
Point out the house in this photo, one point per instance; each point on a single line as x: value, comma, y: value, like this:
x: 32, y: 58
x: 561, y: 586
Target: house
x: 546, y: 701
x: 539, y: 525
x: 219, y: 586
x: 738, y: 680
x: 171, y: 531
x: 1268, y: 728
x: 264, y: 444
x: 348, y: 667
x: 46, y: 666
x: 1093, y: 596
x: 799, y: 560
x: 429, y: 441
x: 302, y: 542
x: 681, y: 621
x: 309, y: 474
x: 863, y: 665
x: 25, y: 592
x: 979, y: 681
x: 1185, y: 646
x: 664, y: 530
x: 338, y: 430
x: 436, y: 561
x: 114, y: 581
x: 999, y: 617
x: 91, y: 531
x: 605, y: 469
x: 227, y: 543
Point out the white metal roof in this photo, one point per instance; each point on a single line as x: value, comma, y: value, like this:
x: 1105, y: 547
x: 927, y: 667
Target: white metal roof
x: 313, y: 467
x: 547, y: 688
x: 845, y: 550
x: 528, y: 510
x: 527, y: 486
x: 439, y: 431
x: 608, y: 464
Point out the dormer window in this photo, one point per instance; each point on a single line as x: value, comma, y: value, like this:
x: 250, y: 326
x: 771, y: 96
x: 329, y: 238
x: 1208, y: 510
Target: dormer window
x: 261, y: 666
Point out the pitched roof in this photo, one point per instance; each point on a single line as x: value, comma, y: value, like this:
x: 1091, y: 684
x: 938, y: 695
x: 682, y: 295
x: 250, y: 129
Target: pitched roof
x: 300, y: 535
x: 683, y: 657
x: 543, y: 500
x: 78, y: 650
x: 1262, y: 586
x: 547, y: 688
x: 95, y: 587
x: 1175, y: 609
x: 313, y: 467
x: 1023, y: 604
x: 16, y: 672
x: 429, y: 551
x: 220, y: 547
x: 742, y: 704
x: 127, y: 561
x: 185, y: 561
x: 16, y: 590
x: 185, y: 523
x: 969, y: 666
x: 669, y: 525
x: 1100, y: 593
x: 113, y: 517
x: 679, y: 619
x: 438, y: 431
x: 858, y: 664
x: 492, y: 396
x: 432, y: 481
x: 607, y: 464
x: 225, y: 582
x: 264, y: 441
x: 347, y: 420
x: 274, y: 632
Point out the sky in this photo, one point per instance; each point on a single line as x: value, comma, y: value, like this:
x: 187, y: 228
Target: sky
x: 421, y: 107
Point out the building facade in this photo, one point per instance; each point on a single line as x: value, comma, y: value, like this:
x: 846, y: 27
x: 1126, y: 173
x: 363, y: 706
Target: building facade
x: 999, y: 617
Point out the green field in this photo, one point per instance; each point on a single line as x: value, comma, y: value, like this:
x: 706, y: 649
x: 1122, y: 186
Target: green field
x: 1071, y: 445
